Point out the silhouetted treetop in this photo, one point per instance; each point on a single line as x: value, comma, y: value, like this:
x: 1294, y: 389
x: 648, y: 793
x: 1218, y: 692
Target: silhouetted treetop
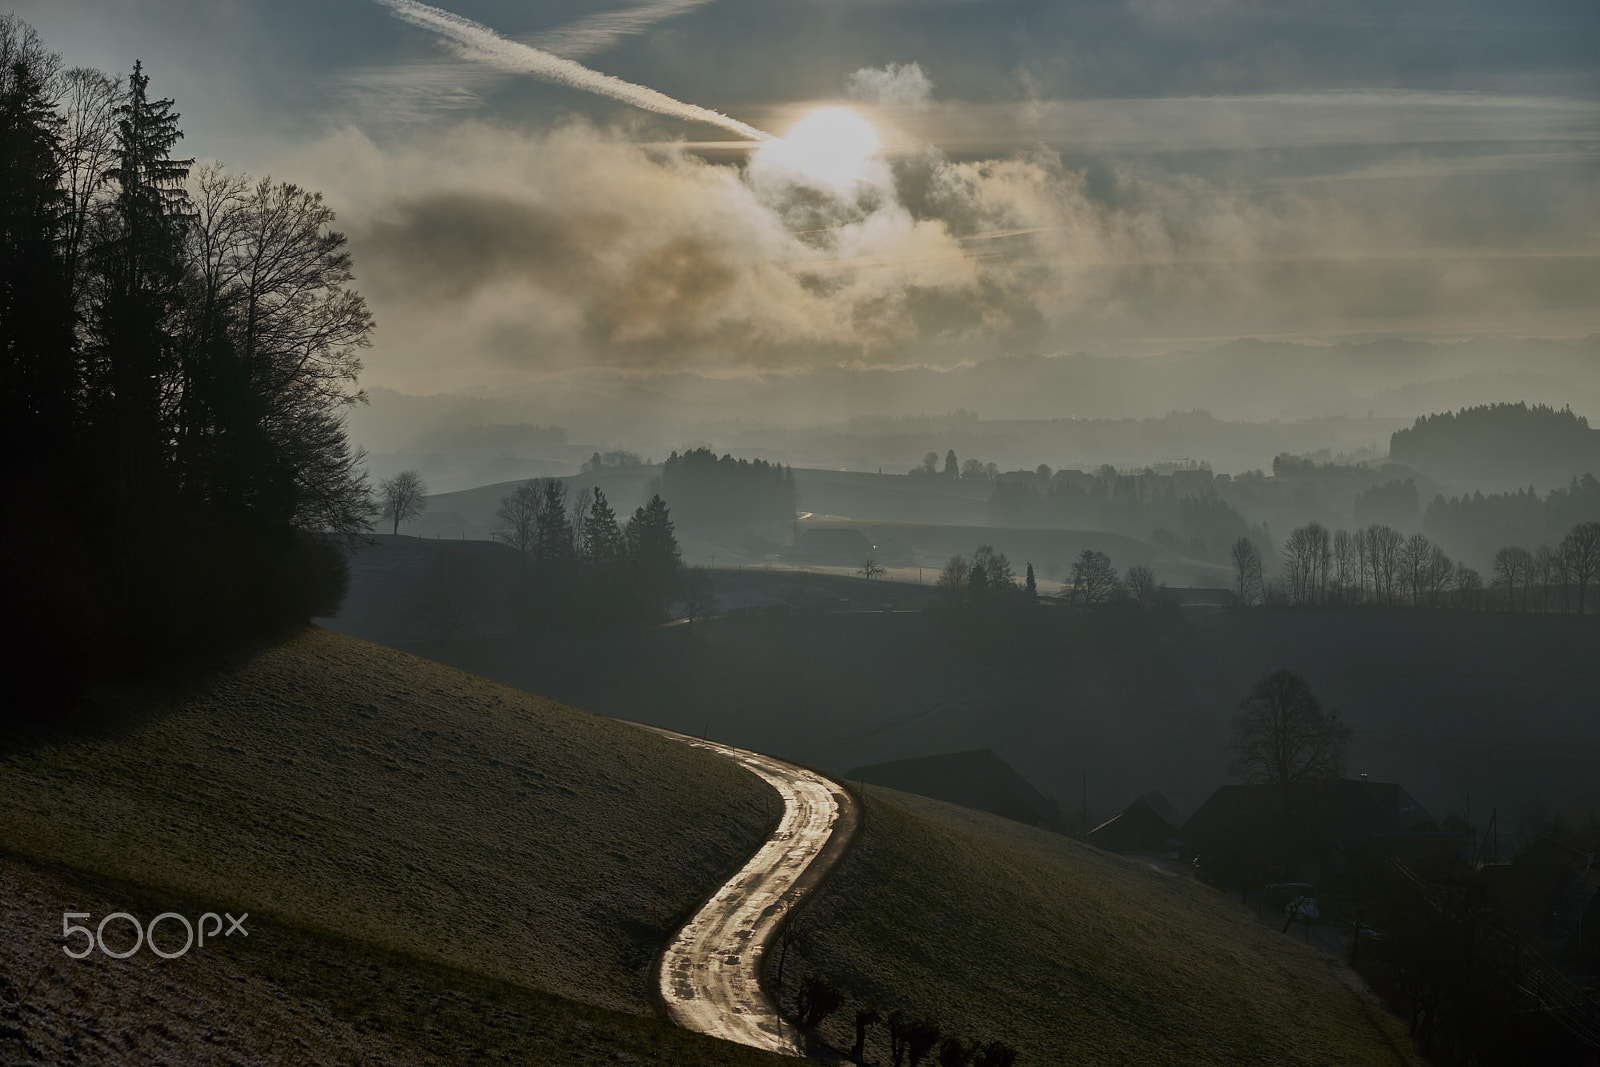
x: 706, y: 490
x: 1284, y: 735
x: 1496, y: 433
x: 177, y: 350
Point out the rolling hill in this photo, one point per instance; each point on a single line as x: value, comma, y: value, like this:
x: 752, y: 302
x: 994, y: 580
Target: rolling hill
x: 996, y: 930
x: 366, y: 807
x: 438, y: 868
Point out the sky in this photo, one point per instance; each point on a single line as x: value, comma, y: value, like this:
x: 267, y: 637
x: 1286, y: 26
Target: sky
x: 561, y: 188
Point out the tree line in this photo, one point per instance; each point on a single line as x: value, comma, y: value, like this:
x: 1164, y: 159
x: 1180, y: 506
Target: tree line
x: 1494, y: 434
x: 178, y: 347
x: 579, y: 563
x: 709, y: 490
x: 953, y: 467
x: 987, y: 583
x: 1377, y: 564
x: 1477, y: 524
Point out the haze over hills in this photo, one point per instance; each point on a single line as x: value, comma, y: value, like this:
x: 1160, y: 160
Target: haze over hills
x: 1262, y: 398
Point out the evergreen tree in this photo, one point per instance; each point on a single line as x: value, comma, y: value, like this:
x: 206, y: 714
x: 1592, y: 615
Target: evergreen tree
x: 38, y: 370
x: 602, y: 537
x: 653, y: 551
x: 141, y: 272
x: 174, y: 374
x: 1030, y: 587
x: 555, y: 529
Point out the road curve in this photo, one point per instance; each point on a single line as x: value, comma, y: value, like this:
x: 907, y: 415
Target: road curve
x: 710, y: 974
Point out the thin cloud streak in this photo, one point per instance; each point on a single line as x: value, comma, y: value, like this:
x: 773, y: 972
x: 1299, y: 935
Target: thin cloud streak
x: 483, y: 44
x: 599, y: 32
x: 1281, y: 120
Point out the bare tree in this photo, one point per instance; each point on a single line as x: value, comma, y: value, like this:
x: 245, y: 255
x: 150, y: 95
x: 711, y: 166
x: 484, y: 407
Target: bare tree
x: 270, y: 341
x: 899, y: 1037
x: 1441, y: 575
x: 1545, y: 569
x: 1513, y: 566
x: 1383, y: 553
x: 921, y: 1037
x: 516, y: 521
x: 818, y: 998
x: 1580, y: 549
x: 953, y: 1052
x: 870, y: 569
x: 1344, y: 563
x: 1283, y: 735
x: 1094, y: 579
x: 1247, y: 570
x: 1321, y: 560
x: 89, y: 139
x: 332, y: 493
x: 1299, y: 564
x: 1469, y: 586
x: 1143, y: 586
x: 953, y: 580
x: 867, y: 1017
x: 1416, y: 555
x: 792, y: 932
x: 405, y: 496
x: 996, y: 567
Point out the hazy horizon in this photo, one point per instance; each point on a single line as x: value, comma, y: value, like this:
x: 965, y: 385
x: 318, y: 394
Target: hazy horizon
x: 1233, y: 407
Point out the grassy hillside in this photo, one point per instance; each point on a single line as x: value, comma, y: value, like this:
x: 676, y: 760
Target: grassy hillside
x: 337, y: 789
x: 999, y: 931
x: 286, y: 996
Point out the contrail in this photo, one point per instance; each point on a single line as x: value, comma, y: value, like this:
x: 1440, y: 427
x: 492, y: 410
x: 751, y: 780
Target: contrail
x: 479, y: 42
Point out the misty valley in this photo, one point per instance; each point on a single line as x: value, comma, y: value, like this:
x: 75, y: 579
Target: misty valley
x: 913, y: 533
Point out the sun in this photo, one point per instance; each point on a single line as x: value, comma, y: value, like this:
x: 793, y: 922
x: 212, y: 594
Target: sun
x: 831, y: 146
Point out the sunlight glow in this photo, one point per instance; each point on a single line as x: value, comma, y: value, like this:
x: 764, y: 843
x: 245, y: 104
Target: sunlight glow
x: 831, y: 146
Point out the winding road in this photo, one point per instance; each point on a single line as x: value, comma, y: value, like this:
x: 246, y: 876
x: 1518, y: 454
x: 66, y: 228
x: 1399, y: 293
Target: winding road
x: 710, y: 974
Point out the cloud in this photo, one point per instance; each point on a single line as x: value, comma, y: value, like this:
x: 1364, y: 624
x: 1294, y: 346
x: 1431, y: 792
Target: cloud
x: 895, y: 85
x: 1320, y: 120
x: 500, y: 255
x: 598, y: 32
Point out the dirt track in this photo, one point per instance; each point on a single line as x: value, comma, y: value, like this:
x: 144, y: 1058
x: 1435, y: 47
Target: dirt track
x: 710, y: 972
